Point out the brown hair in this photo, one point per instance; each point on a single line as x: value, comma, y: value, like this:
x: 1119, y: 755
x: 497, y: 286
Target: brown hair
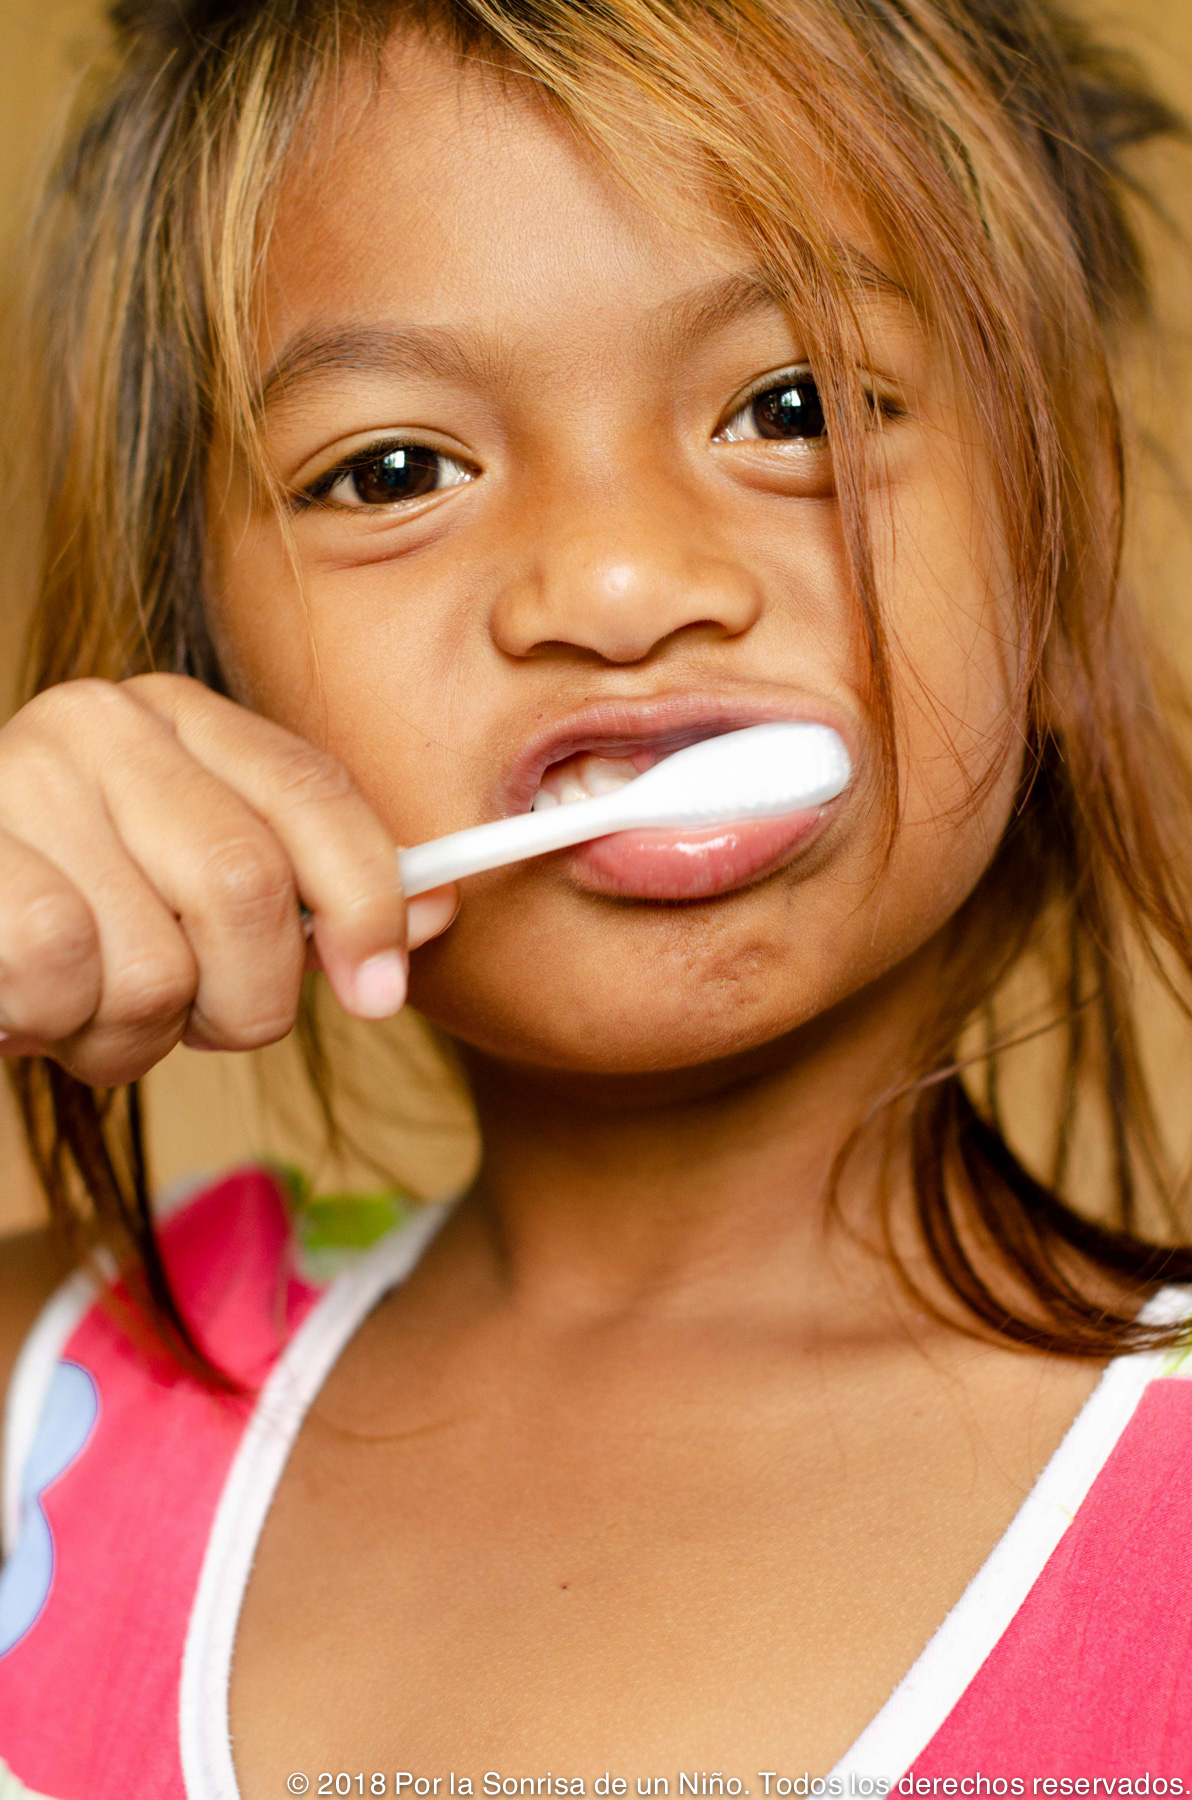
x: 988, y: 141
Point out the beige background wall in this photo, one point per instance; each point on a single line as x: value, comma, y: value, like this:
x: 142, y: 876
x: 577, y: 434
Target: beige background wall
x: 207, y: 1111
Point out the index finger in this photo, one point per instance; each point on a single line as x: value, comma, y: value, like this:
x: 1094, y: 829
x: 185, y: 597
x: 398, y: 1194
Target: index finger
x: 344, y: 858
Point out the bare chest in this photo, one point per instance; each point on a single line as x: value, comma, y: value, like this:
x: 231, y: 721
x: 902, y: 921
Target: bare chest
x: 639, y: 1580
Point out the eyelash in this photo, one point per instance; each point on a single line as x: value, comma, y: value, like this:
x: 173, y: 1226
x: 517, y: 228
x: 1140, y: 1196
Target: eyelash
x: 375, y: 456
x: 798, y: 375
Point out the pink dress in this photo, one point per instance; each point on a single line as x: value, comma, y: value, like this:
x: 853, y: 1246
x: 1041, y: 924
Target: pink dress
x: 134, y: 1500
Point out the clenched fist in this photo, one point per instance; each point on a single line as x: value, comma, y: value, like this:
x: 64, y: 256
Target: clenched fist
x: 157, y: 844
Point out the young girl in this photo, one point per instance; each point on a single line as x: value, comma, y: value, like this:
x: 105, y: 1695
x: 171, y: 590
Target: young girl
x: 444, y: 403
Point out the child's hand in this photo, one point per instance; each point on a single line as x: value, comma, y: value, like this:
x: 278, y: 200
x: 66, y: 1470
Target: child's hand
x: 155, y: 843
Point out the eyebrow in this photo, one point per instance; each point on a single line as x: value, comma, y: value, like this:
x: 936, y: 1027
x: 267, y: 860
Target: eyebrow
x: 463, y: 357
x: 692, y: 317
x: 322, y: 353
x: 712, y: 308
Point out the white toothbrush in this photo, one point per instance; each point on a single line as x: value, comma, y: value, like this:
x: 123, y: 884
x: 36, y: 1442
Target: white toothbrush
x: 760, y: 772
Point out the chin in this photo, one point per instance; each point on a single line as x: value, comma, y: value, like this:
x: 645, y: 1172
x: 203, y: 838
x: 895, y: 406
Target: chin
x: 686, y: 986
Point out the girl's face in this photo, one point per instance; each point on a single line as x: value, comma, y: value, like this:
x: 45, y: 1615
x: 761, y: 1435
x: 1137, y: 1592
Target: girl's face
x: 564, y: 503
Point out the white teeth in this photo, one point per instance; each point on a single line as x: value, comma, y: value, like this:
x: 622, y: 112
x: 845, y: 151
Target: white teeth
x: 570, y: 788
x: 605, y: 778
x: 582, y: 778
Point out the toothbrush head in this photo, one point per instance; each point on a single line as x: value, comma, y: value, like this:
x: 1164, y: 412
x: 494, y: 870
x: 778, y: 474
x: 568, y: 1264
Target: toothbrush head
x: 759, y: 772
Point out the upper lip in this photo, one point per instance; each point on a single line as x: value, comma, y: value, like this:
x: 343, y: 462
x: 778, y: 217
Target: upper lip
x: 662, y: 721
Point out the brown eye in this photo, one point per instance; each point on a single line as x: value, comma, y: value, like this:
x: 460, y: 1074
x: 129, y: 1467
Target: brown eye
x: 404, y: 474
x: 389, y: 475
x: 788, y: 409
x: 793, y: 410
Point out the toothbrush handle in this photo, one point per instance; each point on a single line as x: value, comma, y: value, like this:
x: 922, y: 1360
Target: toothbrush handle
x: 506, y: 841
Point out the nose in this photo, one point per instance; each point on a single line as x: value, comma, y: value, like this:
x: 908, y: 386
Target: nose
x: 617, y: 581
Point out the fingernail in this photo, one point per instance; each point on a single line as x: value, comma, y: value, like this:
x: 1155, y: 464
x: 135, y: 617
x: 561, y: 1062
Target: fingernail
x: 429, y: 914
x: 379, y: 986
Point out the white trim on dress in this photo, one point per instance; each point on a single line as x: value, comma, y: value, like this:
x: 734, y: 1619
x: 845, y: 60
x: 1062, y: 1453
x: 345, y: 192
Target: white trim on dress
x: 933, y: 1685
x: 208, y: 1771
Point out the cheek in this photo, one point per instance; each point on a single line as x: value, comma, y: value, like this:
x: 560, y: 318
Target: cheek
x: 333, y: 666
x: 256, y: 614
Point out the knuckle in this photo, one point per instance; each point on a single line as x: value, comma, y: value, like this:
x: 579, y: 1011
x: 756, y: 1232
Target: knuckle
x: 249, y: 884
x: 311, y: 777
x: 368, y: 920
x: 53, y: 934
x: 51, y: 750
x: 253, y: 1031
x: 155, y: 989
x: 156, y: 682
x: 57, y: 742
x: 73, y: 703
x: 106, y: 1060
x: 163, y: 693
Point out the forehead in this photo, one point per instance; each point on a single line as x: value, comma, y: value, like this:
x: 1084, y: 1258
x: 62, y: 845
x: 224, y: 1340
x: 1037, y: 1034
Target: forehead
x: 441, y: 191
x: 441, y: 221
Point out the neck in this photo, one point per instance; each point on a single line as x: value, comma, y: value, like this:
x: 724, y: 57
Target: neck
x: 706, y: 1189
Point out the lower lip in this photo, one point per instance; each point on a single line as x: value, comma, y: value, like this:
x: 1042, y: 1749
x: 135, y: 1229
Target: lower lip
x: 690, y: 865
